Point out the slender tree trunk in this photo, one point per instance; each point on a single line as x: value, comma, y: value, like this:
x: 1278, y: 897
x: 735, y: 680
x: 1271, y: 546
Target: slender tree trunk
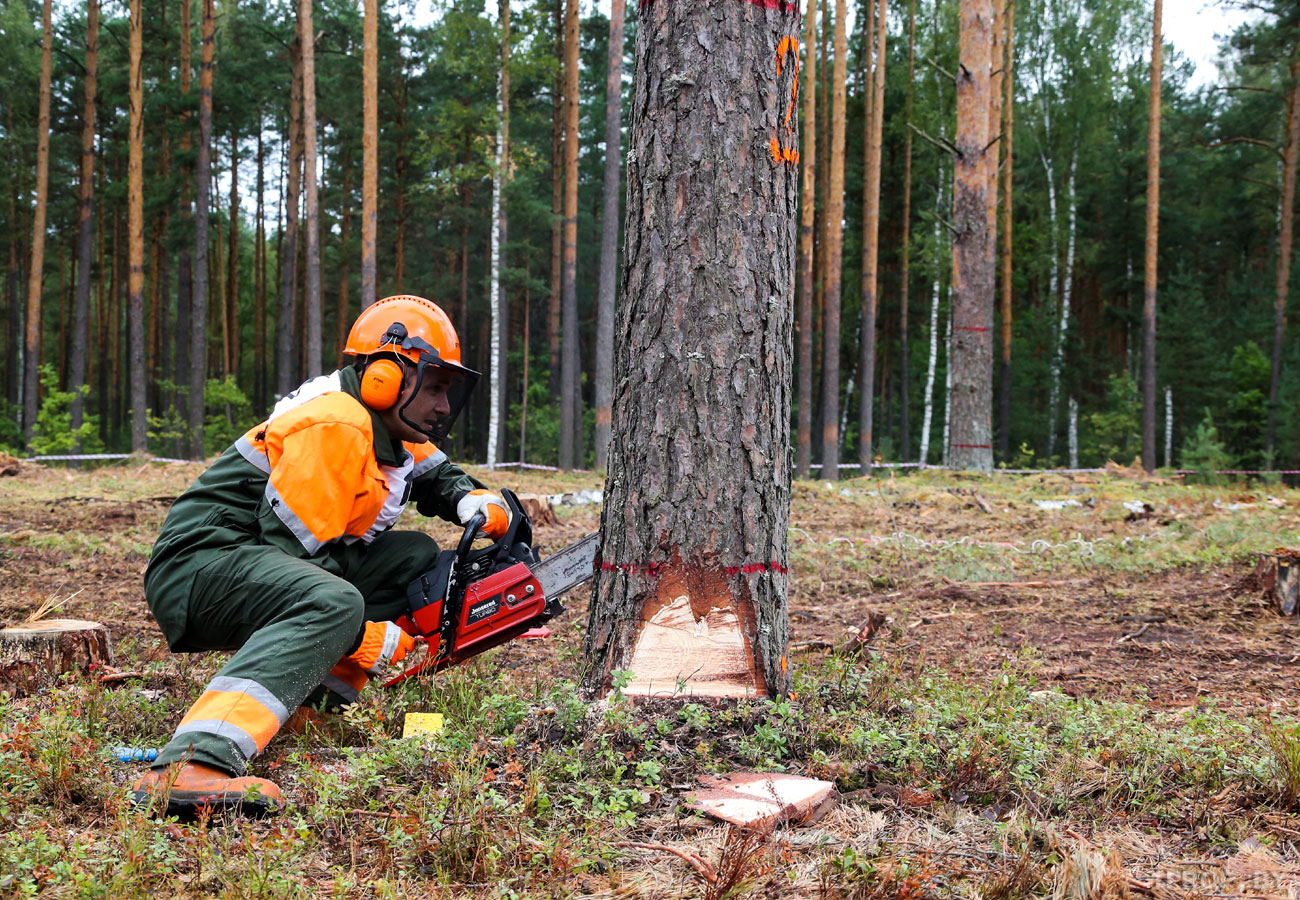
x: 345, y: 255
x: 971, y: 444
x: 1008, y: 133
x: 499, y: 307
x: 85, y: 224
x: 369, y: 152
x: 1284, y: 240
x: 32, y: 339
x: 1149, y: 399
x: 609, y: 233
x: 135, y: 240
x: 523, y: 394
x: 184, y: 271
x: 199, y: 306
x: 691, y: 596
x: 570, y: 375
x: 905, y: 274
x: 312, y: 309
x: 807, y: 218
x: 871, y: 243
x: 400, y: 171
x: 286, y: 372
x: 554, y: 299
x: 230, y: 328
x: 834, y: 251
x: 259, y: 289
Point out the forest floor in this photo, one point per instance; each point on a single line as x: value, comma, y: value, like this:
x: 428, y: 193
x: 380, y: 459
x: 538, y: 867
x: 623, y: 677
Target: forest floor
x: 1071, y: 687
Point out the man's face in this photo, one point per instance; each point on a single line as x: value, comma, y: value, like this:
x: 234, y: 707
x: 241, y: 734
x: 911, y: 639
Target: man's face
x: 426, y: 405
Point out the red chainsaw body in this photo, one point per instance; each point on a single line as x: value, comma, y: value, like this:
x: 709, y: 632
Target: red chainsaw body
x: 498, y: 603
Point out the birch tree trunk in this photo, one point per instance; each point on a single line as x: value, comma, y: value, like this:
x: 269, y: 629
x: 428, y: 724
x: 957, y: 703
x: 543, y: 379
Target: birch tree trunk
x: 570, y: 373
x: 85, y: 224
x: 312, y: 310
x: 1152, y: 244
x: 871, y: 243
x: 1284, y: 240
x: 32, y: 337
x: 834, y: 258
x: 691, y: 593
x: 971, y: 445
x: 500, y: 311
x: 807, y: 218
x: 369, y: 150
x: 135, y: 241
x: 203, y: 200
x: 609, y: 233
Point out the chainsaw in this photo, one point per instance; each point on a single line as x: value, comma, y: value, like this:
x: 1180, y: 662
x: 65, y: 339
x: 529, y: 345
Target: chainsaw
x: 474, y: 600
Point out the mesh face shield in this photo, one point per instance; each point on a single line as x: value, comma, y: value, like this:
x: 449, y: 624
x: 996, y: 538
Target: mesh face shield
x: 430, y: 367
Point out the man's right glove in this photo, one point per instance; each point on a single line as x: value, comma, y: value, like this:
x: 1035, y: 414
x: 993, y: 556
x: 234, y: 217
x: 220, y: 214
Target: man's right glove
x: 491, y: 506
x: 382, y: 644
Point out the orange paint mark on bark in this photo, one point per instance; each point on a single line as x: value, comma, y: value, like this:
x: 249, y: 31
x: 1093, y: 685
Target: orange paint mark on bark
x: 780, y: 154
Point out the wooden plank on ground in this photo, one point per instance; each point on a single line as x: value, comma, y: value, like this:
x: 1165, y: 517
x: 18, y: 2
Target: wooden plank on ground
x: 763, y: 800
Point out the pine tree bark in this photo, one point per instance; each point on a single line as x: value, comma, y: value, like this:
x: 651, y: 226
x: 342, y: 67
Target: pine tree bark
x: 369, y: 151
x: 135, y: 240
x: 203, y: 181
x: 259, y: 285
x: 609, y: 233
x: 554, y: 299
x: 312, y: 312
x: 287, y: 373
x: 184, y: 271
x: 905, y: 266
x: 691, y: 593
x: 807, y: 218
x: 230, y: 308
x: 970, y: 442
x: 1286, y: 230
x: 344, y: 314
x: 85, y: 224
x: 570, y: 384
x: 871, y: 243
x: 834, y: 258
x: 1149, y: 398
x: 1008, y: 157
x: 32, y: 338
x: 500, y: 308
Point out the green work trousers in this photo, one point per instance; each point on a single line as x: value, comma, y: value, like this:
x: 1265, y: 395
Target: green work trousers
x: 289, y: 621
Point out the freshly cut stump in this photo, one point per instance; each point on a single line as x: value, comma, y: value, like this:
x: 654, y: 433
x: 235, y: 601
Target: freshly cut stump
x: 539, y: 509
x: 1279, y: 577
x: 35, y: 654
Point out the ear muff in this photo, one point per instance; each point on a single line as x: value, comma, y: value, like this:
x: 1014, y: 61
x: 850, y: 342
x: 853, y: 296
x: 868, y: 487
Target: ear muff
x: 381, y: 384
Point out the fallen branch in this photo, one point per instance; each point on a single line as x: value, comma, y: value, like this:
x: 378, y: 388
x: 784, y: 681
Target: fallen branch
x: 1017, y: 584
x: 1134, y: 635
x: 704, y: 869
x: 811, y: 645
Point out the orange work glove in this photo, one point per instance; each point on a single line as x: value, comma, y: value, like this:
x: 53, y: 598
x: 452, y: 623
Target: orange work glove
x: 491, y: 506
x: 382, y: 644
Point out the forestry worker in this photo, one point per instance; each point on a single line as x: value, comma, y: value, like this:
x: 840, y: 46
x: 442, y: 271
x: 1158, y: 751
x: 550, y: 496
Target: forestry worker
x: 283, y: 550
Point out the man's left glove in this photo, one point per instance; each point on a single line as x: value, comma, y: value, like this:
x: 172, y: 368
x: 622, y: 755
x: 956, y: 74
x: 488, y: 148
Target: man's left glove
x: 382, y: 644
x: 491, y: 506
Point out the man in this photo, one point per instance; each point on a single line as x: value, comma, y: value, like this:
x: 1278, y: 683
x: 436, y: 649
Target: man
x: 282, y: 549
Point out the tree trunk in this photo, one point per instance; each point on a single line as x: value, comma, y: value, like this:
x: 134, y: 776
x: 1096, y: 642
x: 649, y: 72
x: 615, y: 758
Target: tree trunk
x: 1008, y: 133
x: 871, y: 243
x: 691, y: 596
x: 345, y: 255
x: 184, y: 276
x: 834, y: 255
x: 259, y: 276
x: 369, y: 151
x: 905, y: 275
x: 135, y: 238
x: 230, y: 327
x: 203, y: 179
x: 1152, y: 243
x: 312, y: 311
x: 286, y: 372
x: 557, y: 204
x: 971, y: 445
x: 32, y: 339
x: 34, y: 654
x: 609, y: 233
x: 570, y: 376
x: 499, y: 307
x: 1286, y: 225
x: 399, y: 181
x: 807, y: 218
x: 85, y: 225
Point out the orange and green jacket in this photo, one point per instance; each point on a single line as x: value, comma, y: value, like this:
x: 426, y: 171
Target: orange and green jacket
x: 319, y: 479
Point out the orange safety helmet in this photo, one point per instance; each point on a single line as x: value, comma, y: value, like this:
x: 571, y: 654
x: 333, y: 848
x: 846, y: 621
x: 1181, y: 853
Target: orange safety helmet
x: 400, y: 332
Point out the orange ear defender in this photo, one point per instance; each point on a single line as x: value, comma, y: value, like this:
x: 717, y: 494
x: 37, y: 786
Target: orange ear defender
x: 381, y: 384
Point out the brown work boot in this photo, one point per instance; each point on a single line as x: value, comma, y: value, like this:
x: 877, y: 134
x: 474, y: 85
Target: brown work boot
x: 303, y: 718
x: 194, y: 787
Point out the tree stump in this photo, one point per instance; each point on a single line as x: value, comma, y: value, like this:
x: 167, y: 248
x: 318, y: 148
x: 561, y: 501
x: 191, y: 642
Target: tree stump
x: 34, y: 654
x: 538, y: 508
x: 1279, y: 578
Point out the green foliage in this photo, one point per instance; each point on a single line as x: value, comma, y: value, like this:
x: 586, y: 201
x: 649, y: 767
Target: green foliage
x: 1115, y: 431
x: 53, y: 434
x: 1246, y: 417
x: 229, y: 414
x: 1204, y: 452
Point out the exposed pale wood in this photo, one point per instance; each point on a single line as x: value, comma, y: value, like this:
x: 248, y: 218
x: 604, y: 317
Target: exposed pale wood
x: 1279, y: 578
x: 763, y: 800
x: 678, y: 654
x: 34, y: 654
x: 539, y: 509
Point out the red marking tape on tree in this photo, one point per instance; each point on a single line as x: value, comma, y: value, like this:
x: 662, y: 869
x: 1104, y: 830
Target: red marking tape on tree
x: 653, y: 569
x: 782, y: 5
